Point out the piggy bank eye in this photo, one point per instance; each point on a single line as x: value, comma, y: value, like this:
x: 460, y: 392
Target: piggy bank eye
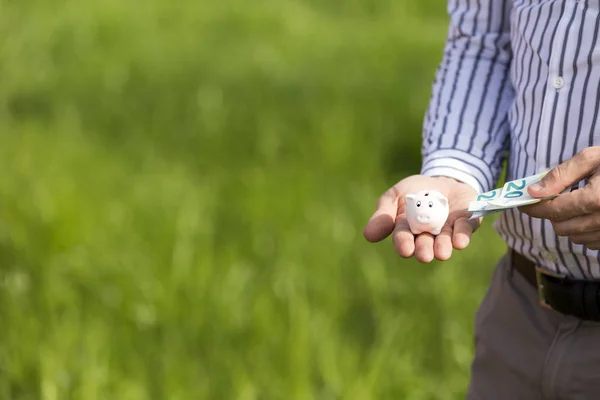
x: 418, y: 204
x: 430, y: 204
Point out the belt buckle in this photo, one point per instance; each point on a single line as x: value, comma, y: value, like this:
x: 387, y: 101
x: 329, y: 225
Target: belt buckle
x: 538, y: 276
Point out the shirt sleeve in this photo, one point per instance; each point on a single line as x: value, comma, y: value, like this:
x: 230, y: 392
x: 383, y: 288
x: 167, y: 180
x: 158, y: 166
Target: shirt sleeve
x: 466, y: 131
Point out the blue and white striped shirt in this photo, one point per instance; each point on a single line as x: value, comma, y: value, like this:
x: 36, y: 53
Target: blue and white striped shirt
x: 519, y: 80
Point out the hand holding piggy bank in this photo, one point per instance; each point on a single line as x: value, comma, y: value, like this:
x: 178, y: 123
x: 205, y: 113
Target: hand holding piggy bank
x: 426, y: 211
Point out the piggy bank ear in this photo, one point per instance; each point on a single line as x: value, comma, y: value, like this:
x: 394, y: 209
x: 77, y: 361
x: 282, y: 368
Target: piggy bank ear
x: 443, y: 201
x: 409, y: 197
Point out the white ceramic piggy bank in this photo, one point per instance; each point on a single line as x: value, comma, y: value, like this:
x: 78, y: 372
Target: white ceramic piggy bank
x: 426, y: 211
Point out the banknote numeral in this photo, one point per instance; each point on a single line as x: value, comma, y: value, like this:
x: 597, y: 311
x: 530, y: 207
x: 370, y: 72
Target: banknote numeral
x: 489, y: 195
x: 514, y: 190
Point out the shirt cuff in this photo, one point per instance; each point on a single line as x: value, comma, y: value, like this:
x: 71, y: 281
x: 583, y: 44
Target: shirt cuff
x: 461, y: 166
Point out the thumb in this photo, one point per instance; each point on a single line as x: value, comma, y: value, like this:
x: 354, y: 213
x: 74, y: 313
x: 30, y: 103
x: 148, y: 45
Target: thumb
x: 382, y: 222
x: 566, y: 174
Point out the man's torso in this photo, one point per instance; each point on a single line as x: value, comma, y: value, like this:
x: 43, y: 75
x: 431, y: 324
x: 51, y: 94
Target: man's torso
x: 555, y: 73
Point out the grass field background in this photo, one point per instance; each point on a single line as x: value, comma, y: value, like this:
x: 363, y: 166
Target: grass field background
x: 183, y: 190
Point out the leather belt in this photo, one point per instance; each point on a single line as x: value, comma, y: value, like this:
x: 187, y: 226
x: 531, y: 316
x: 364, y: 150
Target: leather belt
x: 579, y: 298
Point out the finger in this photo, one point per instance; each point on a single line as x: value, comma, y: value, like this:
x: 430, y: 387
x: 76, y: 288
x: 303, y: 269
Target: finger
x: 567, y: 173
x: 404, y: 240
x: 424, y: 248
x: 382, y: 222
x: 463, y: 229
x: 593, y: 245
x: 586, y: 237
x: 577, y: 225
x: 565, y: 206
x: 442, y: 246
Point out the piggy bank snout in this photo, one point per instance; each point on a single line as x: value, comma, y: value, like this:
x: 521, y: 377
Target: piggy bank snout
x: 422, y: 217
x: 431, y: 213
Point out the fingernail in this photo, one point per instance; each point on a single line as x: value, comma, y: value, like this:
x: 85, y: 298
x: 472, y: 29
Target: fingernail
x: 537, y: 186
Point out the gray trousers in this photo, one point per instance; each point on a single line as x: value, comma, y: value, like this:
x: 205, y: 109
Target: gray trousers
x: 525, y: 351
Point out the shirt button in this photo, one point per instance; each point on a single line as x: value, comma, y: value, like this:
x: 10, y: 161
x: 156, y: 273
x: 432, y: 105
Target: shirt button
x: 558, y: 82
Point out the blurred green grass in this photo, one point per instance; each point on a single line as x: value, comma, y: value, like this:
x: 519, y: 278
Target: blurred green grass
x: 182, y: 197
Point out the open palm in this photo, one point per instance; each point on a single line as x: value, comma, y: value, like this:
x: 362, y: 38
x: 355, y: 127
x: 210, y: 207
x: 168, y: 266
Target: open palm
x: 390, y: 218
